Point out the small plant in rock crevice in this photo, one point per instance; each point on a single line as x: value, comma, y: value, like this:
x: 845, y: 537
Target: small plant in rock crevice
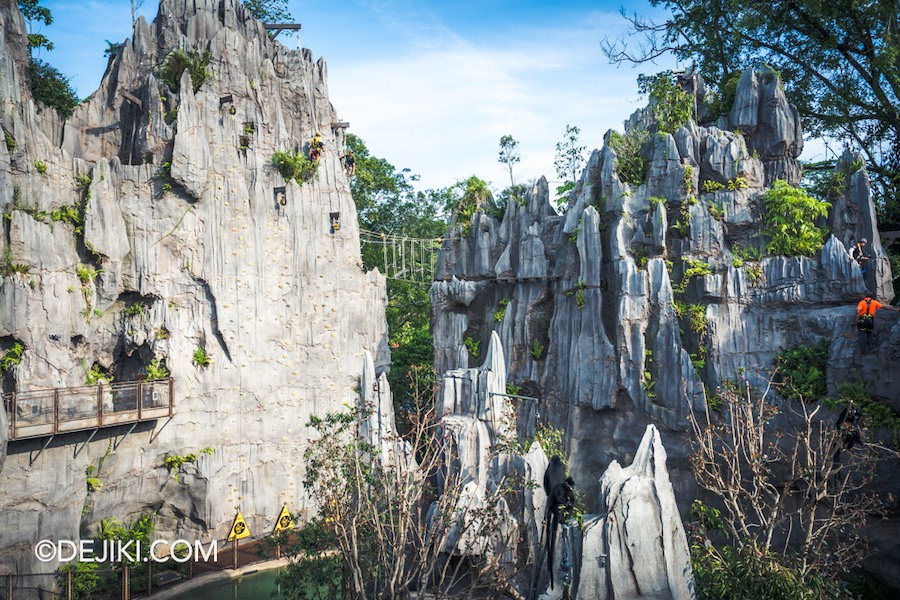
x: 156, y: 371
x: 295, y: 165
x: 201, y: 358
x: 12, y: 357
x: 501, y: 310
x: 472, y: 346
x: 174, y: 462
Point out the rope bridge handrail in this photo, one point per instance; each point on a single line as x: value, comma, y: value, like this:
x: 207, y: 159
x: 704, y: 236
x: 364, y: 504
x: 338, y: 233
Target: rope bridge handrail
x: 403, y: 258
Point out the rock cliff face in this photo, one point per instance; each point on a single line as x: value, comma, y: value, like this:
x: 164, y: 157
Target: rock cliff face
x: 179, y: 242
x: 617, y: 312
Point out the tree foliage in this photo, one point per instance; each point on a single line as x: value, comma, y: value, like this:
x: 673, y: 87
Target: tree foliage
x: 392, y: 522
x: 51, y: 88
x: 790, y: 215
x: 35, y: 14
x: 631, y: 165
x: 838, y: 62
x: 48, y: 86
x: 177, y: 61
x: 509, y: 155
x: 672, y: 107
x: 270, y: 11
x: 386, y: 202
x: 568, y: 162
x: 787, y: 482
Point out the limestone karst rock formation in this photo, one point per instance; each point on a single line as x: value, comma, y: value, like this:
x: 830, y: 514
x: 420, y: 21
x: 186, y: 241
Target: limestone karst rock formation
x: 635, y: 547
x: 601, y: 321
x: 182, y: 246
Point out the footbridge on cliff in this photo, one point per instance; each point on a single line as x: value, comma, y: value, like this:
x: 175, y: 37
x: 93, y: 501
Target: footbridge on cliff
x: 50, y: 412
x: 401, y: 258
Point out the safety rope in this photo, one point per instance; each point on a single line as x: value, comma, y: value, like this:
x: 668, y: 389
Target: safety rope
x: 404, y: 258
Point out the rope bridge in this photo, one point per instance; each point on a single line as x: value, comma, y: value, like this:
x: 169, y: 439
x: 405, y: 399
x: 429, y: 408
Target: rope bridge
x: 401, y: 258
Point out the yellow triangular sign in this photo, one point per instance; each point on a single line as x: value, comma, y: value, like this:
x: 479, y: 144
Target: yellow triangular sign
x: 239, y: 529
x: 284, y: 520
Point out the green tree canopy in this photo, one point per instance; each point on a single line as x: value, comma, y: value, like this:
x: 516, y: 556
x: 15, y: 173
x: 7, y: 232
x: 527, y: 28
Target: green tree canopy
x: 270, y: 11
x: 48, y: 85
x: 386, y: 202
x: 35, y: 14
x: 569, y: 159
x: 509, y: 155
x: 839, y: 63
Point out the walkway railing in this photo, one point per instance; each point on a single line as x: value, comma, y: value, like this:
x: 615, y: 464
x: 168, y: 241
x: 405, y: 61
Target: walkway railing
x: 40, y: 413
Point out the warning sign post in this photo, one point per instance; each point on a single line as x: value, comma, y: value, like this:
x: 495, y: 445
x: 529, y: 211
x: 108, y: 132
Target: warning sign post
x: 239, y: 530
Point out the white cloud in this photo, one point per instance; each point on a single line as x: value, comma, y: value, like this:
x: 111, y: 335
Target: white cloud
x: 441, y: 108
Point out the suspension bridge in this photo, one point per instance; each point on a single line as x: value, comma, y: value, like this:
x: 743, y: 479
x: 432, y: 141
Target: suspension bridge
x: 401, y: 258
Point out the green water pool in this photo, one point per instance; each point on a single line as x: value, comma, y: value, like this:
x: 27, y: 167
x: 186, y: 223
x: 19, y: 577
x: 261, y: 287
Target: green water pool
x: 255, y: 586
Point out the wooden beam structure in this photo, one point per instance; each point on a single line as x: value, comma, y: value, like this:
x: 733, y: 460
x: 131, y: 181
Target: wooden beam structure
x: 279, y: 27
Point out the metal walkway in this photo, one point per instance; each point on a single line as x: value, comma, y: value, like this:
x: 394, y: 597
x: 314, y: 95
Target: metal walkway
x: 40, y: 413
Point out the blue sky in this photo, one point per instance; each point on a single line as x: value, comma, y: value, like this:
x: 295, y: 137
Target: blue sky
x: 431, y: 85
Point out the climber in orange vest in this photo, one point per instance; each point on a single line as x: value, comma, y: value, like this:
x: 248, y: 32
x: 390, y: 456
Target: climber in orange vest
x: 865, y: 320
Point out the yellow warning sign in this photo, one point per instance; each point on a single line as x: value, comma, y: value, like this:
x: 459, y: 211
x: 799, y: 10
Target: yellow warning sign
x: 239, y: 529
x: 284, y: 520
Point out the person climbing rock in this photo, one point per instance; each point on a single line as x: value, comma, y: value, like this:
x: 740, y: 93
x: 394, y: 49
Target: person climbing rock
x: 858, y: 253
x: 349, y: 163
x: 316, y: 146
x: 865, y: 321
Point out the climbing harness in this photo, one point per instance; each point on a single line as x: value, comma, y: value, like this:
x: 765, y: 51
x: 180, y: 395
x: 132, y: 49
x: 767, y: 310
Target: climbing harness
x: 866, y: 321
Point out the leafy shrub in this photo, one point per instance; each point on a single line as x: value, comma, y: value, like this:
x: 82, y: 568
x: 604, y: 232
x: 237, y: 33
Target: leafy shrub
x: 12, y: 357
x: 551, y: 440
x: 501, y: 311
x: 472, y: 194
x: 295, y: 165
x: 201, y: 358
x: 725, y: 96
x: 11, y: 143
x: 86, y: 273
x: 41, y: 167
x: 86, y: 578
x: 472, y: 346
x: 696, y: 268
x: 135, y: 310
x: 155, y: 371
x: 95, y: 375
x: 790, y: 214
x: 629, y: 148
x: 697, y: 317
x: 672, y: 107
x: 802, y: 371
x: 51, y: 88
x: 177, y: 61
x: 68, y: 214
x: 710, y: 186
x: 747, y: 573
x: 537, y: 349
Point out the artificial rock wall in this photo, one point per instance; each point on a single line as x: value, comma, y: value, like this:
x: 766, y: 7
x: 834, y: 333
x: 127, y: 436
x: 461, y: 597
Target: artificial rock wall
x: 182, y: 219
x: 591, y: 325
